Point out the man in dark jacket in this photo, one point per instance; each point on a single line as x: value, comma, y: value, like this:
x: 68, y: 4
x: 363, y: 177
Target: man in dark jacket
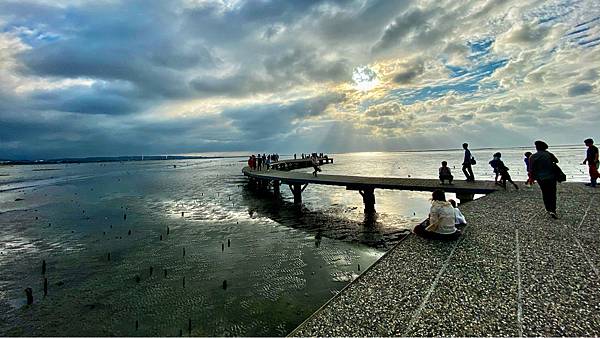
x: 543, y: 170
x: 467, y: 162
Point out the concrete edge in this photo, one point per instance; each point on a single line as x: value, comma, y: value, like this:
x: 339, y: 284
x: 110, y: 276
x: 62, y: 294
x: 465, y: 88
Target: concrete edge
x: 322, y: 307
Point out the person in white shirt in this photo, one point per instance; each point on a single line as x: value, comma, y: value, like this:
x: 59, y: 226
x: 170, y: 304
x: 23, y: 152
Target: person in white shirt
x: 441, y: 221
x: 459, y: 218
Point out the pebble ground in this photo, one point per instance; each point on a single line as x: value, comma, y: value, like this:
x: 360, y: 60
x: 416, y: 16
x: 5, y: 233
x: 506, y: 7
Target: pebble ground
x: 514, y: 272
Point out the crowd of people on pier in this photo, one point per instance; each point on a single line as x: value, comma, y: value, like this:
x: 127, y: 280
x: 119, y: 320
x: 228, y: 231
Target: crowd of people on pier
x: 542, y: 167
x: 260, y: 162
x: 264, y: 161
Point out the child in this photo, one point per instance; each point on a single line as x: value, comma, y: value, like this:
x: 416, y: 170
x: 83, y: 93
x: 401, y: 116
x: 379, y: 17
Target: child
x: 459, y: 218
x: 494, y: 164
x: 529, y: 177
x: 445, y: 173
x: 504, y: 175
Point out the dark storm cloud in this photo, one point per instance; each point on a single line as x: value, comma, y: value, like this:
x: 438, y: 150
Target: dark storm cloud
x: 96, y: 99
x: 401, y: 27
x: 74, y: 135
x: 409, y: 73
x: 268, y: 120
x: 133, y: 41
x: 580, y: 89
x: 276, y: 73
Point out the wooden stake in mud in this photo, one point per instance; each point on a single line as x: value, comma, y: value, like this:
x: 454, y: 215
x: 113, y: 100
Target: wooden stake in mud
x: 137, y: 325
x: 222, y: 247
x: 29, y: 294
x: 184, y: 282
x: 225, y: 284
x: 43, y: 267
x: 228, y: 243
x: 45, y: 287
x: 151, y: 270
x: 124, y: 217
x: 168, y: 230
x: 190, y: 326
x: 108, y: 256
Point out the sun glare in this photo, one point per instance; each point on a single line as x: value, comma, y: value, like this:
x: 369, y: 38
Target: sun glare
x: 364, y: 78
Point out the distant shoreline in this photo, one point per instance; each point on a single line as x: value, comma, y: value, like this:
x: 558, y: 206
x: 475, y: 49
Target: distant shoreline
x: 111, y: 159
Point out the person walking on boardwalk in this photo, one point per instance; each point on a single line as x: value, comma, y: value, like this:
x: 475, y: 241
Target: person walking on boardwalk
x: 592, y: 161
x: 441, y: 221
x: 445, y: 173
x: 468, y: 161
x: 258, y: 162
x: 315, y: 164
x: 543, y: 169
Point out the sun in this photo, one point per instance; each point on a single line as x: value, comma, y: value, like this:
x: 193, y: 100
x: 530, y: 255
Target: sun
x: 364, y: 78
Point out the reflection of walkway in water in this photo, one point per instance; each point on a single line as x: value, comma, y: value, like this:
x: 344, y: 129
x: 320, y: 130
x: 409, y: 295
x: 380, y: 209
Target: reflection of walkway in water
x: 370, y: 231
x: 514, y: 272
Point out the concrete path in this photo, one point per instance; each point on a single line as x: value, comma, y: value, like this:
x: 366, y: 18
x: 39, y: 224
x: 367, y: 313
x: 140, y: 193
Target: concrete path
x: 514, y: 272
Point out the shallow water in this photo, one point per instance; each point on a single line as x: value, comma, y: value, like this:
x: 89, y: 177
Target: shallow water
x: 280, y: 263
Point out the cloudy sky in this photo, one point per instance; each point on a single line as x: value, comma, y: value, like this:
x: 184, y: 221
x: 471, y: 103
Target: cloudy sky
x: 108, y: 77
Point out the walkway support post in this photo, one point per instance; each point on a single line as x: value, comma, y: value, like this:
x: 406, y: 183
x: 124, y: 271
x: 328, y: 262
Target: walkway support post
x: 297, y: 192
x: 368, y: 195
x: 276, y: 187
x: 465, y: 197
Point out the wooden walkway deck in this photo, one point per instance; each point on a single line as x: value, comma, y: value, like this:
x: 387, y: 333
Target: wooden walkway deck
x: 365, y: 185
x: 514, y: 272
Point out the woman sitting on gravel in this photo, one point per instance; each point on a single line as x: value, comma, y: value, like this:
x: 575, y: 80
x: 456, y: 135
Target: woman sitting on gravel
x: 440, y: 224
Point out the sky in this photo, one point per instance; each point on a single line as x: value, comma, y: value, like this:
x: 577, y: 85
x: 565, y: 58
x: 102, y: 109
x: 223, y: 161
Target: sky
x: 108, y: 77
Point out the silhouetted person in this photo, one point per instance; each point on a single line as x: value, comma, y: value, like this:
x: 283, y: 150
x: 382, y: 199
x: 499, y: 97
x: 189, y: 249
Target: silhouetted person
x: 494, y: 164
x: 530, y: 179
x: 315, y: 164
x: 503, y: 171
x: 468, y: 161
x: 445, y: 173
x: 259, y: 162
x: 543, y: 170
x: 592, y: 161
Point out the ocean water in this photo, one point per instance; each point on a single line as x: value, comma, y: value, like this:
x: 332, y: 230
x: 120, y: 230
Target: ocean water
x: 188, y: 243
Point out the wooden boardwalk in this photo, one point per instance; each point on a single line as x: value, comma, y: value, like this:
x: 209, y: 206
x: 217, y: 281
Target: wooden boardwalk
x: 514, y: 272
x: 365, y: 185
